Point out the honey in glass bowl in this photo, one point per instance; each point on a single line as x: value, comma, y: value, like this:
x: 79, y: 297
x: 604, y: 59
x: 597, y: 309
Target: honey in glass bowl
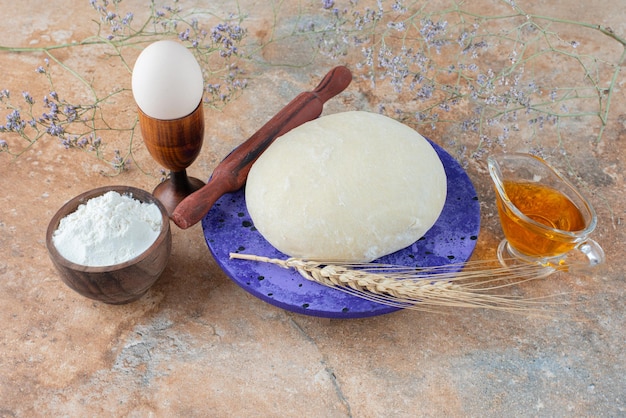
x: 543, y: 216
x: 546, y: 206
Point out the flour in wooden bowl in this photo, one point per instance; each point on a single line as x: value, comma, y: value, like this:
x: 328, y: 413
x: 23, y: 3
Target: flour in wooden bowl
x: 107, y: 230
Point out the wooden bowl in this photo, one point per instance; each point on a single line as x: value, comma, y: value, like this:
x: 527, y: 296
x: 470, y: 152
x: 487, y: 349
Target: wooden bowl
x: 120, y: 283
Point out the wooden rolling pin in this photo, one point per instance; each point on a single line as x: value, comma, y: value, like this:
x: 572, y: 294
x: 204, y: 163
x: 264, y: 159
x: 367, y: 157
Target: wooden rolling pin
x: 232, y: 172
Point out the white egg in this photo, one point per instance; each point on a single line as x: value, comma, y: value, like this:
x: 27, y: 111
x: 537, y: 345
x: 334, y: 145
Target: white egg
x: 167, y: 81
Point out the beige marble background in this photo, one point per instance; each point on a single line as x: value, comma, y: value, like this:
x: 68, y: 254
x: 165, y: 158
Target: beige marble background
x: 198, y: 345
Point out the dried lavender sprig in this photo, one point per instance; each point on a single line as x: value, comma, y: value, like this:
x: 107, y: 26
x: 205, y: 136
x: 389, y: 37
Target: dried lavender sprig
x: 431, y: 60
x: 79, y: 126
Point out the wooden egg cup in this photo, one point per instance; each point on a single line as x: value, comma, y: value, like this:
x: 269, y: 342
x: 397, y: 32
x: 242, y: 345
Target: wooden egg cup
x: 174, y: 144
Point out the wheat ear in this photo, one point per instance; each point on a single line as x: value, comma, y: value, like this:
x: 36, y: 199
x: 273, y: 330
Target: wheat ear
x: 421, y: 288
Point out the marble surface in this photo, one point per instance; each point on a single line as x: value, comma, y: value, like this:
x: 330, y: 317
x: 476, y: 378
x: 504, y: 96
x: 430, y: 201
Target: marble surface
x: 199, y: 345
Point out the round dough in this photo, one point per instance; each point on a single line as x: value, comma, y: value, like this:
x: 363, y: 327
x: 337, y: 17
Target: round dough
x: 352, y: 186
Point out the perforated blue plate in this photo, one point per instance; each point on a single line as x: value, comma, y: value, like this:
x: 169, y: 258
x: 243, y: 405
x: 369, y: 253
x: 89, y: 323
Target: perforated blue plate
x: 228, y: 228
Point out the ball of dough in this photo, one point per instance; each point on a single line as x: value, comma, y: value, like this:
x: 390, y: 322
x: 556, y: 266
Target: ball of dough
x: 351, y: 186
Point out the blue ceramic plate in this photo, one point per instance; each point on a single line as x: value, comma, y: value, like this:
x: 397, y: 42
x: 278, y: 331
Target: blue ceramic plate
x: 228, y: 228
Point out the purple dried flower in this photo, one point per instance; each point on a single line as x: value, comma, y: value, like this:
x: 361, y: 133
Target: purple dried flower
x: 399, y: 26
x: 184, y: 36
x: 328, y: 4
x: 15, y: 122
x: 426, y: 92
x: 398, y: 7
x: 82, y: 142
x: 54, y: 110
x: 27, y: 97
x: 70, y: 113
x: 553, y: 95
x: 55, y: 130
x: 118, y: 162
x: 127, y: 19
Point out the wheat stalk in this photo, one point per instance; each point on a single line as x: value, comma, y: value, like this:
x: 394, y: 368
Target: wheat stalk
x: 422, y: 288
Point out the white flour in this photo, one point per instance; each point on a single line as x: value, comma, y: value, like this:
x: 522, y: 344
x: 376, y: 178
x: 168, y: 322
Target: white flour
x: 107, y: 230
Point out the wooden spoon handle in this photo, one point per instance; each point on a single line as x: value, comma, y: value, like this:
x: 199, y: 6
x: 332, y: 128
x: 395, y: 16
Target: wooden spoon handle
x: 232, y: 172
